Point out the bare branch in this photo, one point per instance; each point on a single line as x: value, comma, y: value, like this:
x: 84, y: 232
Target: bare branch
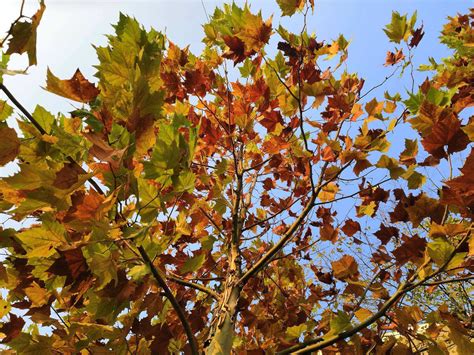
x: 184, y: 282
x: 322, y: 342
x: 169, y: 295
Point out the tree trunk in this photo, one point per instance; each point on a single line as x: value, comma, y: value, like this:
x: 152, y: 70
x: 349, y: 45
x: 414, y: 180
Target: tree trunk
x: 223, y: 324
x: 221, y: 342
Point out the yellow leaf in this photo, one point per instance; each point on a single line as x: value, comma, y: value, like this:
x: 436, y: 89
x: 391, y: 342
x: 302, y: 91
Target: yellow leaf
x: 37, y: 295
x: 362, y: 314
x: 328, y: 192
x: 4, y: 308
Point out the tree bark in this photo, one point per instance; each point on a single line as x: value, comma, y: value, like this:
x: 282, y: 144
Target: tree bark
x: 224, y: 331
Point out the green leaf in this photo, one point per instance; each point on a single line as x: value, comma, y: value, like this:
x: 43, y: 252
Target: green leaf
x: 339, y: 323
x: 247, y: 69
x: 5, y: 110
x: 440, y: 250
x: 101, y: 262
x: 41, y: 241
x: 289, y: 7
x: 399, y: 29
x: 138, y: 272
x: 296, y: 331
x: 23, y: 36
x: 391, y: 165
x: 415, y: 179
x: 44, y: 118
x: 193, y: 263
x: 185, y: 182
x: 149, y: 200
x: 32, y: 176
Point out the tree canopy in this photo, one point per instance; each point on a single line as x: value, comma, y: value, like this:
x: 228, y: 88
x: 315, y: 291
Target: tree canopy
x: 252, y: 198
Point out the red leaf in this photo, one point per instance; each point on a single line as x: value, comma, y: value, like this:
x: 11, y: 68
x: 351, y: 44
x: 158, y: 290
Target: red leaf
x: 417, y: 36
x: 351, y: 227
x: 445, y: 132
x: 270, y: 120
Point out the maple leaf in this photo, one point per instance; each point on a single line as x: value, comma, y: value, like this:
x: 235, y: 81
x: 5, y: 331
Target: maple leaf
x: 345, y: 268
x: 23, y: 36
x: 400, y: 28
x: 445, y: 132
x: 77, y: 88
x: 71, y: 264
x: 68, y: 176
x: 289, y: 7
x: 460, y: 190
x: 411, y: 248
x: 9, y: 145
x: 12, y: 329
x: 394, y: 58
x: 328, y: 232
x: 384, y: 234
x: 185, y: 194
x: 351, y: 227
x: 416, y: 37
x: 270, y: 120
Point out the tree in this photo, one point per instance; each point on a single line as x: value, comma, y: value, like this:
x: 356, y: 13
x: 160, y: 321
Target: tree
x: 203, y: 203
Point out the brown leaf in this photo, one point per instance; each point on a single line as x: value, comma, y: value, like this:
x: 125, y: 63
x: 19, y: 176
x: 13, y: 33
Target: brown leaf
x: 9, y: 145
x: 412, y: 248
x: 417, y: 36
x: 104, y: 152
x: 12, y: 329
x: 67, y: 176
x: 237, y: 51
x: 384, y: 234
x: 460, y: 190
x: 351, y: 227
x: 345, y: 268
x: 328, y: 232
x: 77, y: 88
x: 71, y: 264
x: 445, y: 132
x: 394, y: 58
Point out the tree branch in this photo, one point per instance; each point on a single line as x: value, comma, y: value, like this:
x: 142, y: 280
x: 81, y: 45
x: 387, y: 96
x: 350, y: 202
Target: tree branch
x: 442, y: 282
x: 169, y: 295
x: 322, y: 342
x: 181, y: 281
x: 265, y: 259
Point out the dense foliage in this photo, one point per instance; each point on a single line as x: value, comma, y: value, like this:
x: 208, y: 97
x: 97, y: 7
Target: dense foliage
x: 250, y: 197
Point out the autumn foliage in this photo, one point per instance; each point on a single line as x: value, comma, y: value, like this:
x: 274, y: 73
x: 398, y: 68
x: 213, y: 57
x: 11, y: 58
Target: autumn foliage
x: 255, y: 198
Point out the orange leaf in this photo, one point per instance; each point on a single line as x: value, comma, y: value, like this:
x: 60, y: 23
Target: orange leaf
x: 346, y: 267
x: 77, y: 88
